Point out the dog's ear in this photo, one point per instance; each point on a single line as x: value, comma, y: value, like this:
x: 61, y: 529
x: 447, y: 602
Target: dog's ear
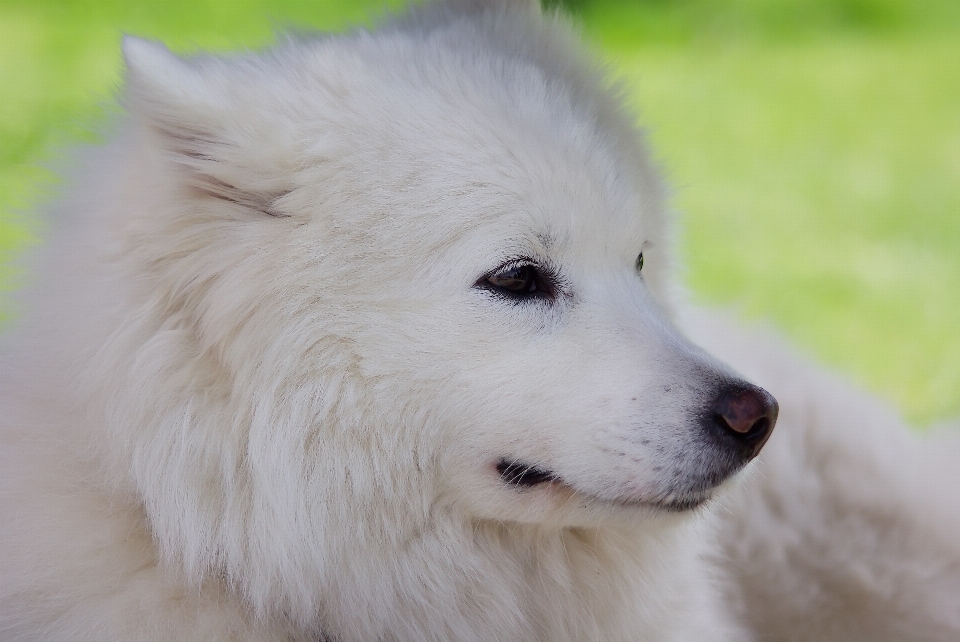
x: 169, y: 93
x: 184, y: 103
x: 154, y: 69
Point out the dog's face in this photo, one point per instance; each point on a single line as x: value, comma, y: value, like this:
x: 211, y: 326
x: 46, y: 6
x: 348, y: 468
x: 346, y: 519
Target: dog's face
x: 561, y: 392
x: 419, y: 281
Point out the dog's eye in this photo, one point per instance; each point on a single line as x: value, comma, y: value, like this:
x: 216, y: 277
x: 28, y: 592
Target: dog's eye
x: 640, y: 262
x: 518, y: 281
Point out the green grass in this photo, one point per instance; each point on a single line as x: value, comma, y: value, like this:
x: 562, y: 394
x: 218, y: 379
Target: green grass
x: 821, y: 186
x: 814, y: 145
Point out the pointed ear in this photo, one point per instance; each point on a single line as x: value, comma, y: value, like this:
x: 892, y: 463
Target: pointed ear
x: 153, y: 69
x: 164, y: 89
x: 186, y: 106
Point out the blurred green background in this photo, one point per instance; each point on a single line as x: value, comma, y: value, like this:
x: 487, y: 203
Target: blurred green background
x: 814, y: 146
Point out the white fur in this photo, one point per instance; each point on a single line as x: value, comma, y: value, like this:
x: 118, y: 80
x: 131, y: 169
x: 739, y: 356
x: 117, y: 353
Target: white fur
x: 259, y: 395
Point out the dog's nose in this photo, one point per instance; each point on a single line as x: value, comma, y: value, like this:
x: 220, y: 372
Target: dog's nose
x: 746, y: 413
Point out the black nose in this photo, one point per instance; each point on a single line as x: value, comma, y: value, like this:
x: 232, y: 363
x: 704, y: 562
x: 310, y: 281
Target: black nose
x: 747, y: 414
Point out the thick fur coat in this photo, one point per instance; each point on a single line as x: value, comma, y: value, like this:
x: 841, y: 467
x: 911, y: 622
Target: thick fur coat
x: 372, y: 337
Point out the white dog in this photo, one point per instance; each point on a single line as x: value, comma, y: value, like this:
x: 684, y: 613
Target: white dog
x: 369, y: 338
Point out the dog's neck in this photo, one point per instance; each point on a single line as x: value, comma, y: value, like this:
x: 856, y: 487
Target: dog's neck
x: 511, y: 582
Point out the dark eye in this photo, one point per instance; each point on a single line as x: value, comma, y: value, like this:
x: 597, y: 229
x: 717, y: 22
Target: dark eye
x: 640, y: 262
x: 518, y: 281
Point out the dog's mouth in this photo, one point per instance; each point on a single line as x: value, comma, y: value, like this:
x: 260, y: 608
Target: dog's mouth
x: 522, y: 475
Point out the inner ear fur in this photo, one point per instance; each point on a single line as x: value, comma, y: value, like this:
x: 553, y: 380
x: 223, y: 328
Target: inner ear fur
x: 182, y: 106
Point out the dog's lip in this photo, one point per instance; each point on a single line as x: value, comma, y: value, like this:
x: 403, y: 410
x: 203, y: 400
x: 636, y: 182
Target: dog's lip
x: 678, y: 505
x: 522, y: 475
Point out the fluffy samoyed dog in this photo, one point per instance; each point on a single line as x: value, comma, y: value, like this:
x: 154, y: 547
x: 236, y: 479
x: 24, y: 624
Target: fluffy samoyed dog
x: 371, y: 338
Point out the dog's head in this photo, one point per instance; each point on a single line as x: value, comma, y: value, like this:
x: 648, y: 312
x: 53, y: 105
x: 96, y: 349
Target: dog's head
x: 400, y: 275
